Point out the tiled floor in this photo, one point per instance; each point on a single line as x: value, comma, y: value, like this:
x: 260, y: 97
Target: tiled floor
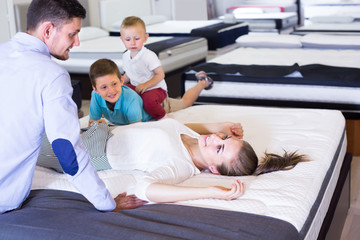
x: 351, y: 230
x: 85, y: 105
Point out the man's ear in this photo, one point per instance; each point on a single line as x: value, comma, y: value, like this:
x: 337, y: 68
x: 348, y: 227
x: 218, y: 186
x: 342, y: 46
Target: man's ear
x: 94, y: 88
x: 48, y: 29
x: 214, y: 170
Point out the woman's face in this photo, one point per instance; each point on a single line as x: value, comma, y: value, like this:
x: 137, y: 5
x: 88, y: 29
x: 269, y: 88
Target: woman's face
x: 219, y: 148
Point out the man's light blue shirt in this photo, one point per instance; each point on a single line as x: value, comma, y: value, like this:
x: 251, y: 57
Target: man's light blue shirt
x: 35, y: 96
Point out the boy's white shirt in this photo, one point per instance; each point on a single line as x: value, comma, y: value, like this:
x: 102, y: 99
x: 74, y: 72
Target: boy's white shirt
x: 140, y: 69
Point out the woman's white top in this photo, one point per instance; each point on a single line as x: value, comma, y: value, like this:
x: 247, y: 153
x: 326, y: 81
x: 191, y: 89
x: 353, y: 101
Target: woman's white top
x: 154, y: 147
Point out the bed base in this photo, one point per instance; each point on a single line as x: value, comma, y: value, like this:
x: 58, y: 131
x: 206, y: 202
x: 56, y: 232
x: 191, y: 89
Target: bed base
x: 334, y: 221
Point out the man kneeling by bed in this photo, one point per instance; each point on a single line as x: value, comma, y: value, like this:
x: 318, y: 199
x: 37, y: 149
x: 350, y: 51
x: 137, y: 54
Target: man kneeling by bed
x: 36, y: 97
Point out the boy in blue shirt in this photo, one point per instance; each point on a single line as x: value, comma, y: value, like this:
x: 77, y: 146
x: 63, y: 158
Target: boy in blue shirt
x: 120, y: 104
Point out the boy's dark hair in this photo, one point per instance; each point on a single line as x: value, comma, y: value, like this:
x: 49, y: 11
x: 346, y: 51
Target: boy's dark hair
x: 58, y: 12
x: 101, y: 68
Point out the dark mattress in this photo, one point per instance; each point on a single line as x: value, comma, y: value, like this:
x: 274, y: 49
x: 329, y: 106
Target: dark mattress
x: 54, y: 214
x: 157, y: 47
x: 252, y: 75
x: 213, y: 34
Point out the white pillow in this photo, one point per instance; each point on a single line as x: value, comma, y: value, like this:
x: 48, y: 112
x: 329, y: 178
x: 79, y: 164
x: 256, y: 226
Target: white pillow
x: 332, y: 19
x: 148, y: 20
x: 229, y: 18
x: 152, y: 19
x: 242, y: 10
x: 269, y: 41
x: 88, y: 33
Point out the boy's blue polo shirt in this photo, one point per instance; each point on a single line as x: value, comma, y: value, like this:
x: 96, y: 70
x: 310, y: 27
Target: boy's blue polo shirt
x: 128, y: 108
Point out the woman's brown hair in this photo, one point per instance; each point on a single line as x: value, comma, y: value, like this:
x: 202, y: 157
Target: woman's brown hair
x: 247, y: 162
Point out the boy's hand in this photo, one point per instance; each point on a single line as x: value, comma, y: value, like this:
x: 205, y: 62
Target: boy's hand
x: 102, y: 121
x: 90, y: 122
x: 99, y: 121
x: 141, y: 88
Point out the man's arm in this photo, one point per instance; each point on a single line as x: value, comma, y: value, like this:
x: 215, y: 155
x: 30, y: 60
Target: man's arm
x: 63, y: 130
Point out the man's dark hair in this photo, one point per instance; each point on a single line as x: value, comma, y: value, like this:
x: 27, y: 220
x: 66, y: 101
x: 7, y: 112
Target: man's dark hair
x: 58, y: 12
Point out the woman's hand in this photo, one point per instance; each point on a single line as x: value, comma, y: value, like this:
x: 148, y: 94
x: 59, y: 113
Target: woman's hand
x: 227, y: 128
x: 233, y: 129
x: 237, y: 190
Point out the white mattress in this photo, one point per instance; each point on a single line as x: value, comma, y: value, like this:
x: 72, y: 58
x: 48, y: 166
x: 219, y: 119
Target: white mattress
x: 295, y: 41
x: 352, y: 28
x: 266, y: 8
x: 268, y: 2
x: 184, y: 27
x: 223, y: 43
x: 340, y: 9
x: 287, y: 57
x: 170, y: 26
x: 331, y: 41
x: 89, y: 51
x: 269, y: 41
x: 286, y: 195
x: 286, y: 92
x: 268, y: 20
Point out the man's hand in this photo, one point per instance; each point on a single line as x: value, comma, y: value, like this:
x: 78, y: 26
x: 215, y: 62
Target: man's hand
x: 127, y: 202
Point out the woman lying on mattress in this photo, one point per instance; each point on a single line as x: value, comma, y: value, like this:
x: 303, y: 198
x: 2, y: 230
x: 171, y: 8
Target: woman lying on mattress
x: 170, y: 152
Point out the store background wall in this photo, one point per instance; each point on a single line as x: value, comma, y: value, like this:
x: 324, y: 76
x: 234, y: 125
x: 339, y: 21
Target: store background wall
x: 7, y: 21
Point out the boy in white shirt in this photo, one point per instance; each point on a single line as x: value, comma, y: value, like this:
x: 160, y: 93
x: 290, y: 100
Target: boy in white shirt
x: 143, y: 71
